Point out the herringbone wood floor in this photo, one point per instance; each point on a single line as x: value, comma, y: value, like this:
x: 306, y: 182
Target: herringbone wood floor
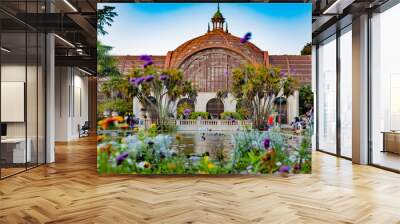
x: 70, y: 191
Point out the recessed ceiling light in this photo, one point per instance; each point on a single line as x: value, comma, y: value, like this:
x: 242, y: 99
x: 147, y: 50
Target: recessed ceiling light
x: 86, y: 72
x: 64, y: 40
x: 5, y: 50
x: 70, y: 5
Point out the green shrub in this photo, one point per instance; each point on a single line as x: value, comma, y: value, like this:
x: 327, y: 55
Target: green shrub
x: 181, y: 108
x: 306, y: 99
x: 234, y: 115
x: 203, y: 115
x: 118, y: 105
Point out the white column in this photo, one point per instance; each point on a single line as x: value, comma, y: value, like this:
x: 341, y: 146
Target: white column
x: 360, y: 90
x: 136, y: 107
x: 50, y: 100
x: 314, y: 89
x: 229, y: 104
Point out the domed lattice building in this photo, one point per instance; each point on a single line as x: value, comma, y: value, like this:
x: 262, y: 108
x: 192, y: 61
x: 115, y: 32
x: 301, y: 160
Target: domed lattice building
x: 208, y: 61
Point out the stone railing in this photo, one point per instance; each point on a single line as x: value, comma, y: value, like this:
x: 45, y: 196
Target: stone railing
x: 205, y: 125
x: 212, y: 125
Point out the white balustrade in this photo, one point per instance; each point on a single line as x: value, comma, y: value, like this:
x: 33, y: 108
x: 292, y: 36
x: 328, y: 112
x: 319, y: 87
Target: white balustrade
x: 216, y: 125
x: 205, y: 125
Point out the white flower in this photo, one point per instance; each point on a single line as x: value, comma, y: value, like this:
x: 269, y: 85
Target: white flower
x: 140, y: 165
x: 143, y: 164
x: 292, y: 158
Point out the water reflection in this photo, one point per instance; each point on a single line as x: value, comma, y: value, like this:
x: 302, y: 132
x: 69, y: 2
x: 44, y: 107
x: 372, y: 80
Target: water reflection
x: 217, y: 145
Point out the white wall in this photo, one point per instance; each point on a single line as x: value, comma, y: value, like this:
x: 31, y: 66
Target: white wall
x: 71, y: 102
x: 293, y: 106
x: 12, y: 73
x: 33, y: 126
x: 16, y: 73
x: 204, y: 97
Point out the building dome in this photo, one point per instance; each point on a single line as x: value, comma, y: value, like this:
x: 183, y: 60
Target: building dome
x: 217, y: 39
x: 208, y: 60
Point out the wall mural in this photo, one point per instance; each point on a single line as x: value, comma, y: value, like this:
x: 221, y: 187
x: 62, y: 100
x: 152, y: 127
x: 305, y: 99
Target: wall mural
x: 218, y: 103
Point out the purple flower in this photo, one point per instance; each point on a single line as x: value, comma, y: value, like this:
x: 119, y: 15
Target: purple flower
x: 292, y: 70
x: 282, y: 74
x: 267, y: 143
x: 132, y: 81
x: 139, y: 81
x: 121, y: 157
x: 149, y: 78
x: 245, y: 38
x: 145, y: 57
x: 148, y: 63
x: 284, y: 169
x: 187, y: 111
x: 163, y: 77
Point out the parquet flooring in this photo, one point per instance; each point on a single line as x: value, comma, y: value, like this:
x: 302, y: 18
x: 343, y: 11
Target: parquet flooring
x: 70, y: 191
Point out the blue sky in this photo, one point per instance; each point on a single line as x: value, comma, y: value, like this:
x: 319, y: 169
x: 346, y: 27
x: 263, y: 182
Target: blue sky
x: 155, y: 28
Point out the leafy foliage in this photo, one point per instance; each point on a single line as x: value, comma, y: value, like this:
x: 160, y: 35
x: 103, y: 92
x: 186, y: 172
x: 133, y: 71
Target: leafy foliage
x: 250, y: 156
x: 117, y: 87
x: 149, y: 152
x: 182, y: 107
x: 106, y: 65
x: 165, y: 86
x: 120, y: 105
x: 306, y: 98
x: 105, y: 17
x: 196, y: 114
x: 259, y: 86
x: 307, y: 49
x: 234, y: 115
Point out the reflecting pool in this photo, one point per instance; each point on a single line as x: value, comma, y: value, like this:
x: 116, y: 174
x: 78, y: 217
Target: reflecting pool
x: 218, y: 145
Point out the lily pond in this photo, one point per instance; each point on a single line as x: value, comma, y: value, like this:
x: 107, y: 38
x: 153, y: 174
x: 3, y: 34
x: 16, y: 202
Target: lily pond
x: 197, y: 152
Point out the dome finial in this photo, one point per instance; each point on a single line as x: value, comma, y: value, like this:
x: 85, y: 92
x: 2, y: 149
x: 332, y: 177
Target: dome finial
x: 218, y: 19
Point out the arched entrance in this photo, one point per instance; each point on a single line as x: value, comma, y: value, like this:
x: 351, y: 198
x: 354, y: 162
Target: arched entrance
x: 215, y: 107
x: 281, y: 109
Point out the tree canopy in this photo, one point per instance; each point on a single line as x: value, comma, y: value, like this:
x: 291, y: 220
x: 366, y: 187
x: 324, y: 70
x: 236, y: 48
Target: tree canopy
x: 306, y: 49
x: 105, y: 17
x: 258, y: 86
x: 165, y: 86
x: 306, y: 99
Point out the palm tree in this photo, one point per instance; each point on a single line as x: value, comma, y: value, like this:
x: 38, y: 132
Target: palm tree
x: 106, y: 65
x: 105, y: 17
